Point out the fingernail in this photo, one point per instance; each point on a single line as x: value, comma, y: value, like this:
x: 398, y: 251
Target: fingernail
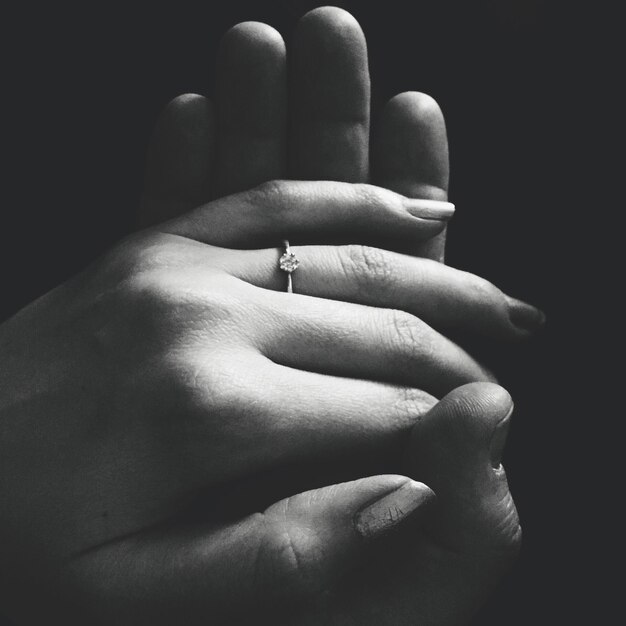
x: 429, y: 209
x: 381, y: 516
x: 526, y: 317
x: 498, y: 440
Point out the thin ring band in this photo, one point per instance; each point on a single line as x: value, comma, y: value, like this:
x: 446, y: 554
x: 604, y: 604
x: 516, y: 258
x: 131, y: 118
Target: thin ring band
x: 288, y: 263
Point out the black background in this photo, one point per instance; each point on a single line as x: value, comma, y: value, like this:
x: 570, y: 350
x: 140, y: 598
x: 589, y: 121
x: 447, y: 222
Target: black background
x: 84, y: 85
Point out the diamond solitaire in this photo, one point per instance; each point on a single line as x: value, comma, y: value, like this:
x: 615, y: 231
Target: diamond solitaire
x: 288, y: 262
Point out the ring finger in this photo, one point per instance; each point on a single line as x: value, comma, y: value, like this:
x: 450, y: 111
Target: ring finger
x: 444, y: 297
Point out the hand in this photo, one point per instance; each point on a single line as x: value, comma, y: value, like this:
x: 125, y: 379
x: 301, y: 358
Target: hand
x: 331, y: 555
x: 201, y: 150
x: 171, y: 368
x: 412, y: 127
x: 153, y: 495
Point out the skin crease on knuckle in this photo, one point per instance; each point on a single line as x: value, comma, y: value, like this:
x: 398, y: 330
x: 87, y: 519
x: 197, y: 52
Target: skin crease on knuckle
x: 285, y: 555
x: 408, y: 337
x: 370, y: 268
x: 273, y: 195
x: 487, y: 301
x: 376, y: 200
x: 289, y: 555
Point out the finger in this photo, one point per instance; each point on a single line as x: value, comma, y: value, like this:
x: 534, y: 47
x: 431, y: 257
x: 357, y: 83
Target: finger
x: 350, y: 340
x: 459, y: 446
x: 329, y: 98
x: 180, y: 160
x: 252, y: 107
x: 279, y: 415
x: 410, y: 155
x: 448, y: 299
x: 450, y: 564
x: 308, y: 212
x: 269, y: 565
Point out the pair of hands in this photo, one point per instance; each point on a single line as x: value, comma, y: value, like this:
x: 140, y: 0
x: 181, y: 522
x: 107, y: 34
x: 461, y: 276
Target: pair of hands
x: 169, y: 379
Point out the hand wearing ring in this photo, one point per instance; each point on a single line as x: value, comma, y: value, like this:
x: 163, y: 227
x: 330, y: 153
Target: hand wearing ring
x: 216, y: 336
x: 215, y: 340
x: 176, y: 367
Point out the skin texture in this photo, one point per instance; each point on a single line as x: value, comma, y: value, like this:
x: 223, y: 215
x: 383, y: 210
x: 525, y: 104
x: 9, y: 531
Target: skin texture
x: 174, y: 368
x: 329, y: 138
x: 312, y: 123
x: 169, y: 370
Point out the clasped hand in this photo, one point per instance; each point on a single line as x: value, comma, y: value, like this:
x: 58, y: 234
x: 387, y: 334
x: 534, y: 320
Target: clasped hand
x: 174, y: 365
x: 176, y: 368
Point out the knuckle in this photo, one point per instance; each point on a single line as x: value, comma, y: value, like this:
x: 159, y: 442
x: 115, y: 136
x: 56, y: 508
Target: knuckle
x: 377, y: 199
x: 222, y: 387
x: 371, y: 269
x: 210, y: 391
x: 269, y: 193
x: 153, y: 296
x: 150, y: 303
x: 138, y: 254
x: 286, y: 553
x: 408, y: 337
x: 487, y: 302
x: 205, y: 403
x: 484, y: 292
x: 274, y: 198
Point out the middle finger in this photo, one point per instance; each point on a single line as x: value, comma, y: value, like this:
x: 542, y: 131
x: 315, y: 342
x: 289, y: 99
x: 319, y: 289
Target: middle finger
x: 252, y: 107
x: 329, y: 99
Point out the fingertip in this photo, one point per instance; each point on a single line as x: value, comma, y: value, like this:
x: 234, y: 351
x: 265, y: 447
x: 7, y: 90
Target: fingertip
x: 411, y: 154
x: 526, y: 318
x: 421, y: 492
x: 331, y: 20
x: 337, y: 36
x: 186, y: 112
x: 184, y: 101
x: 261, y: 37
x: 420, y: 107
x: 481, y: 398
x: 469, y: 413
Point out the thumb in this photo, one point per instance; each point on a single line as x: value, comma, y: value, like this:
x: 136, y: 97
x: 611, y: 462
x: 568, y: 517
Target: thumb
x: 457, y: 448
x: 284, y: 558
